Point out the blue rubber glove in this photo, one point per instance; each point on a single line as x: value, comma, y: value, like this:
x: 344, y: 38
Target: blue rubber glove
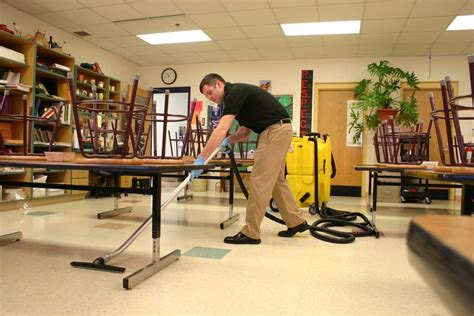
x: 225, y: 145
x: 198, y: 162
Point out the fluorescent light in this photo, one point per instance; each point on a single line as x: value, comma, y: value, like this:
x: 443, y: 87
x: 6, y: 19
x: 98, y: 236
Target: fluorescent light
x: 321, y: 28
x: 462, y: 22
x: 175, y: 37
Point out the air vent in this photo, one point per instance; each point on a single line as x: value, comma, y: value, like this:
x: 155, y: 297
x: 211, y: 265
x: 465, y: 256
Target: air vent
x: 82, y: 33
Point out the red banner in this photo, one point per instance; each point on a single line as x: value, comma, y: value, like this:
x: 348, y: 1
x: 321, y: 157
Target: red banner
x: 306, y: 107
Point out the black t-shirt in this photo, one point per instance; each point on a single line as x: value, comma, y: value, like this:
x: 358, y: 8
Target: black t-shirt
x: 252, y: 106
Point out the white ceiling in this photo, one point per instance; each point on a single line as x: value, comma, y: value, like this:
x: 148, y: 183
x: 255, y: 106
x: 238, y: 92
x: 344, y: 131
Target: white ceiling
x: 249, y: 29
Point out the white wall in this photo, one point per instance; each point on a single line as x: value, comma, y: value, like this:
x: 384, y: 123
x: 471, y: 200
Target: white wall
x: 285, y: 74
x: 83, y: 51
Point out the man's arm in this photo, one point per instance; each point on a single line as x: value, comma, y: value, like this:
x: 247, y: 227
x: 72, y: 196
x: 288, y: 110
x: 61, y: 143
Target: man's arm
x: 217, y: 135
x: 242, y: 134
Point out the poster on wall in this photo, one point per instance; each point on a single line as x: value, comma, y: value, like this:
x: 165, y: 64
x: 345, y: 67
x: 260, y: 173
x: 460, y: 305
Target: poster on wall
x: 351, y: 110
x: 213, y: 114
x: 266, y: 85
x: 306, y: 107
x: 287, y: 101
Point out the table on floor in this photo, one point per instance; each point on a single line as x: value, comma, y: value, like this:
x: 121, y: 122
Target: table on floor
x: 155, y: 173
x: 441, y: 249
x: 375, y: 172
x: 466, y: 181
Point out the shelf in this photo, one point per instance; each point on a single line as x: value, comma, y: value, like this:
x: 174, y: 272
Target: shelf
x: 81, y: 97
x: 13, y: 91
x: 7, y: 119
x: 8, y: 63
x: 14, y: 144
x: 13, y: 39
x: 12, y: 172
x: 88, y: 85
x: 41, y: 73
x: 89, y: 72
x: 49, y: 53
x: 47, y: 171
x: 44, y: 97
x: 55, y: 145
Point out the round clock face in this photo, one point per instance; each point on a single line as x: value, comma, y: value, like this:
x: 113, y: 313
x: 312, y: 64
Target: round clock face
x: 168, y: 76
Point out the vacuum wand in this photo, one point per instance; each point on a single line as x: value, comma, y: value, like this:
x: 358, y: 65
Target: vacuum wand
x: 100, y: 262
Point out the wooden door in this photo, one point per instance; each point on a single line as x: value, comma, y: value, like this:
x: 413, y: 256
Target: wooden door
x: 331, y: 118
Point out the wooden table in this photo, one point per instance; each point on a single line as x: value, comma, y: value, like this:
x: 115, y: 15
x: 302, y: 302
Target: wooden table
x: 155, y: 173
x: 441, y: 249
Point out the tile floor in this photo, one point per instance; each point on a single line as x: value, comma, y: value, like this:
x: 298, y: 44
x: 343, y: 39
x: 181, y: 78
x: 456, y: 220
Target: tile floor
x: 296, y: 276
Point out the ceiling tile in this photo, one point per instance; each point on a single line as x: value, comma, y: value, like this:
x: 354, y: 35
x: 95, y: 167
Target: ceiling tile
x: 151, y: 8
x: 27, y: 6
x: 338, y: 1
x: 349, y: 40
x: 118, y: 12
x: 237, y: 44
x: 216, y: 56
x: 124, y: 52
x: 382, y: 26
x: 378, y: 39
x: 172, y: 49
x: 292, y: 4
x: 297, y: 15
x: 427, y: 24
x: 59, y: 5
x: 201, y: 6
x: 105, y: 30
x: 259, y: 31
x: 275, y: 53
x: 55, y: 19
x: 225, y: 33
x: 374, y: 50
x: 149, y: 60
x: 145, y: 50
x: 449, y: 49
x: 432, y: 8
x: 410, y: 50
x: 175, y: 23
x: 100, y: 3
x: 269, y: 43
x: 102, y: 42
x: 307, y: 52
x: 388, y: 10
x: 139, y: 27
x: 304, y: 41
x: 221, y: 19
x: 340, y: 50
x: 245, y: 54
x: 83, y: 17
x: 468, y: 8
x: 203, y: 46
x: 418, y: 37
x: 126, y: 41
x: 456, y: 36
x: 187, y: 58
x: 233, y: 5
x: 341, y: 12
x: 254, y: 17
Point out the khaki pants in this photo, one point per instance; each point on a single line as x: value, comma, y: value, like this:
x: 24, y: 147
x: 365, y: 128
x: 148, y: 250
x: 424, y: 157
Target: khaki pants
x: 267, y: 179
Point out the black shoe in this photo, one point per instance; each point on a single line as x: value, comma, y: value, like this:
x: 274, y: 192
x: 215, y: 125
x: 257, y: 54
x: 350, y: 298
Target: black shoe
x: 241, y: 239
x: 290, y: 232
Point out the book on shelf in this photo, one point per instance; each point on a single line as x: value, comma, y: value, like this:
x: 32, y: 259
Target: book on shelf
x: 56, y: 66
x: 12, y: 54
x: 9, y: 77
x: 18, y: 86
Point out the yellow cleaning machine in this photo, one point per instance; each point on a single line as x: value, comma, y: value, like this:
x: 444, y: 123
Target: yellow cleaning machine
x: 309, y: 170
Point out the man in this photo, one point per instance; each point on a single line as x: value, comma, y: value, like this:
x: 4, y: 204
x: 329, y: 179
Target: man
x: 255, y: 110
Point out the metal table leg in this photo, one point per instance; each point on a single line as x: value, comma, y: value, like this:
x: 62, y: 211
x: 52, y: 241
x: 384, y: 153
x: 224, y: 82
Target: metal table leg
x: 116, y: 211
x: 186, y: 195
x: 9, y: 238
x: 467, y: 202
x: 374, y: 205
x: 157, y: 263
x: 232, y: 218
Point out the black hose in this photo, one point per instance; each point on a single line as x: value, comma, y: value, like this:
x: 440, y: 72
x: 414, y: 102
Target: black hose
x: 321, y: 229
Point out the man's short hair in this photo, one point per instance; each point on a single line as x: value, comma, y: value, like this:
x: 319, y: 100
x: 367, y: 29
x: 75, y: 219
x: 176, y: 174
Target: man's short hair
x: 210, y: 80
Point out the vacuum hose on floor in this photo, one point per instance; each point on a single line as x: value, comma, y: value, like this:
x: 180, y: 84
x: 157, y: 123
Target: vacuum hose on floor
x: 321, y: 229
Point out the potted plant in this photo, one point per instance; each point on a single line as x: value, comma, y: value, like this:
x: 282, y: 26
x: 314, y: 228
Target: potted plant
x: 382, y: 93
